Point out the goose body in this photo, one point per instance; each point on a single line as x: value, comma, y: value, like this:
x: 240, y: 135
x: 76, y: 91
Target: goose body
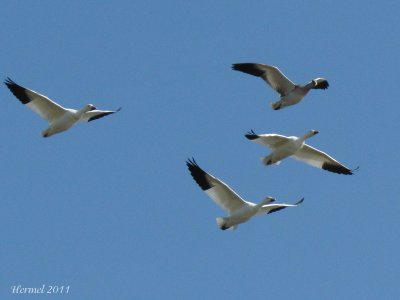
x: 59, y: 118
x: 289, y: 92
x: 292, y: 146
x: 239, y: 210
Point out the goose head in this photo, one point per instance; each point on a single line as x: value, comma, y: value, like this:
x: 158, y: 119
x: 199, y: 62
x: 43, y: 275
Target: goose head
x: 267, y: 200
x: 85, y: 109
x: 89, y: 107
x: 320, y: 83
x: 310, y: 134
x: 317, y: 84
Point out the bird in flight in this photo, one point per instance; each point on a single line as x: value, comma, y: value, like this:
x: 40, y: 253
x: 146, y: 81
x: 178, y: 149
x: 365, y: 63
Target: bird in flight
x: 293, y: 146
x: 289, y: 92
x: 59, y: 118
x: 239, y: 210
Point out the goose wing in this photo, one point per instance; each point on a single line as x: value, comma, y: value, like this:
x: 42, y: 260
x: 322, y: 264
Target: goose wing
x: 97, y: 114
x: 40, y: 104
x: 321, y: 160
x: 216, y: 189
x: 272, y: 141
x: 270, y: 208
x: 272, y: 75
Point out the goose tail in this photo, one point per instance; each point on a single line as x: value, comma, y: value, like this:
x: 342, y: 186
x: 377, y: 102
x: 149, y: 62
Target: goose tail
x: 276, y: 105
x: 221, y: 223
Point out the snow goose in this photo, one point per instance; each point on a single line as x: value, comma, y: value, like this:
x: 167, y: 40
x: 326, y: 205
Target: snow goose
x: 239, y: 210
x: 290, y: 93
x: 285, y: 146
x: 59, y: 118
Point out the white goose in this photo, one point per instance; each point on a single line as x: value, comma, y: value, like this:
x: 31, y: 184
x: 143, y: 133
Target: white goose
x: 293, y: 146
x: 239, y: 210
x: 59, y: 118
x: 290, y: 93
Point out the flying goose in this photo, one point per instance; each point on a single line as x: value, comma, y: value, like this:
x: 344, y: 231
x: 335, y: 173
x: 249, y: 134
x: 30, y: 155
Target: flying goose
x: 59, y: 118
x: 290, y: 93
x: 239, y: 210
x: 293, y: 146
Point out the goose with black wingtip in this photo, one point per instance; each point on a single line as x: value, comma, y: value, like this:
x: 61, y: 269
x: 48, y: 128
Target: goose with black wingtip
x: 293, y: 146
x: 290, y: 93
x: 239, y: 210
x: 59, y: 118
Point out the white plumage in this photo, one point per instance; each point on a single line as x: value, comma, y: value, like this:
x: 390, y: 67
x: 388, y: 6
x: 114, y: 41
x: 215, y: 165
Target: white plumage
x: 290, y: 93
x: 59, y: 118
x: 292, y: 146
x: 239, y: 210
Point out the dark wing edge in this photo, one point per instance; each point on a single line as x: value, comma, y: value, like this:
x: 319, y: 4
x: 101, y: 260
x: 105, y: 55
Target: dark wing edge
x: 198, y: 174
x: 282, y: 207
x: 337, y: 168
x: 251, y: 135
x: 299, y: 202
x: 249, y: 68
x: 17, y: 90
x: 103, y: 115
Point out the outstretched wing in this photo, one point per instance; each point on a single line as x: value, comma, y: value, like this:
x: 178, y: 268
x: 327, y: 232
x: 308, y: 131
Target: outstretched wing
x: 216, y: 189
x: 43, y: 106
x: 272, y: 141
x: 272, y: 75
x: 270, y: 208
x: 97, y: 114
x: 319, y: 159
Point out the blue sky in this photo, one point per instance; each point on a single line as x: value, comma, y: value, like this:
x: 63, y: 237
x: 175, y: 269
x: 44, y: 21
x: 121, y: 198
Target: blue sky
x: 109, y: 207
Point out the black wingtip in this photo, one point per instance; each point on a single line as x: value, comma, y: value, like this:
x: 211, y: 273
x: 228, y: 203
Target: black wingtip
x: 191, y: 162
x: 236, y: 67
x: 198, y: 174
x: 249, y: 68
x: 299, y: 202
x: 8, y: 81
x: 251, y: 135
x: 276, y: 209
x: 104, y: 114
x: 283, y: 207
x: 339, y: 169
x: 17, y: 90
x: 100, y: 116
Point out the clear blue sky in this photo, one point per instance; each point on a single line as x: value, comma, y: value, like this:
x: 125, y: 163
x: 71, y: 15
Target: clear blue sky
x: 109, y: 207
